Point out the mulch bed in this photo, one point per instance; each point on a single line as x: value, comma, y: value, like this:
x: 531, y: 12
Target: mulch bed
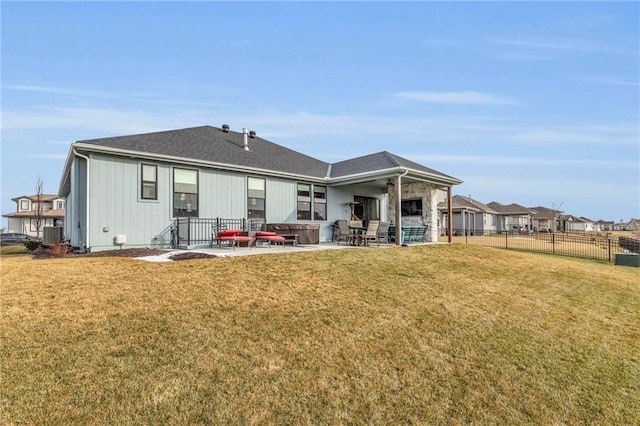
x: 42, y: 253
x: 188, y: 256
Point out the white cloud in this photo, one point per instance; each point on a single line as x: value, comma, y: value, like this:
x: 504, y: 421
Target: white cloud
x: 608, y: 80
x: 457, y: 98
x: 520, y: 161
x: 57, y: 90
x: 564, y: 44
x: 585, y: 135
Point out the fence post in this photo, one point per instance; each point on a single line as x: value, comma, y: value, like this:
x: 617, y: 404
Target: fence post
x: 609, y: 248
x: 506, y: 240
x: 553, y: 243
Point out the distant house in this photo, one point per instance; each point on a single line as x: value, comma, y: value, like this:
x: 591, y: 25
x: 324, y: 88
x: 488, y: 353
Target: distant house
x: 135, y: 187
x: 25, y: 219
x: 620, y: 226
x: 513, y: 217
x: 633, y: 225
x: 605, y: 225
x: 545, y: 219
x: 571, y: 223
x: 470, y: 217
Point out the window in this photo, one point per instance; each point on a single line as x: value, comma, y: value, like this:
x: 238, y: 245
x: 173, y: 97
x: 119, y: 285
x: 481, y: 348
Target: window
x: 307, y: 204
x: 255, y: 198
x: 412, y: 207
x: 185, y: 193
x: 149, y: 182
x: 304, y: 201
x: 24, y: 204
x: 59, y: 205
x: 319, y: 202
x: 36, y: 225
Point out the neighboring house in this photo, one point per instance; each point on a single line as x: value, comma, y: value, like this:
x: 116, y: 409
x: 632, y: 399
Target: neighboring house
x: 513, y: 217
x: 25, y: 219
x: 606, y: 225
x: 571, y: 223
x: 545, y: 219
x: 584, y: 224
x: 470, y: 217
x: 136, y: 186
x: 620, y: 226
x: 633, y: 225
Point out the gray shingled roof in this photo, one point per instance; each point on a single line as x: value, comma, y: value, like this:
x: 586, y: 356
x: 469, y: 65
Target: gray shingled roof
x: 511, y: 209
x: 211, y: 144
x: 461, y: 202
x: 542, y: 212
x: 378, y: 161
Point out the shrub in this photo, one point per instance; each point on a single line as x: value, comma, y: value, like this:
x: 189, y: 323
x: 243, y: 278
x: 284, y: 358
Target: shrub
x: 58, y: 249
x: 32, y: 245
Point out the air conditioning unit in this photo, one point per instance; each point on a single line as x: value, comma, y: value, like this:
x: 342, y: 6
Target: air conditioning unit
x: 119, y: 239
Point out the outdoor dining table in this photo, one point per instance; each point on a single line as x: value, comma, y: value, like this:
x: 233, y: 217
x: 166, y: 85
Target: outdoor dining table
x: 357, y: 232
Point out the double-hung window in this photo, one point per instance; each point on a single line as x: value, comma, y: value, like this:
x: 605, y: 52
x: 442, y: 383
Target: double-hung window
x: 185, y: 193
x: 149, y: 182
x: 319, y: 202
x: 256, y: 198
x: 311, y: 198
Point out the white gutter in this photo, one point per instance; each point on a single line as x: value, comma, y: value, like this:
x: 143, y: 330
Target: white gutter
x: 393, y: 172
x: 399, y: 209
x: 193, y: 162
x: 86, y: 224
x: 437, y: 179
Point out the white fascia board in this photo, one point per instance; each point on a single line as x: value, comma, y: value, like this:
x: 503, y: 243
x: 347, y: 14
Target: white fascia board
x: 395, y: 171
x: 362, y: 177
x: 192, y: 162
x: 433, y: 178
x: 65, y: 171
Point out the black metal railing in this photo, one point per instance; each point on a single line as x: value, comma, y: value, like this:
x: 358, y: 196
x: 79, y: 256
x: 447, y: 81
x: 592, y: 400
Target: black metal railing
x: 597, y: 246
x: 189, y: 231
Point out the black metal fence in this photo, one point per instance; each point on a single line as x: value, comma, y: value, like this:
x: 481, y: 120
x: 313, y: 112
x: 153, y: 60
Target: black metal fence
x: 591, y: 246
x: 188, y: 231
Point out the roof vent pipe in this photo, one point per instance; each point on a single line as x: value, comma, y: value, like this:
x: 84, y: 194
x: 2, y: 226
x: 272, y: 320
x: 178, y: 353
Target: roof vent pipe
x: 225, y: 128
x: 252, y: 134
x: 245, y: 138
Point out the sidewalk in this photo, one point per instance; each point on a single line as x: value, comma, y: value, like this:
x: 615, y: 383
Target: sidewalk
x: 227, y: 251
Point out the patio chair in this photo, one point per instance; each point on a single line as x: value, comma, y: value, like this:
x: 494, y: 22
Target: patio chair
x: 371, y: 234
x: 231, y: 236
x: 383, y: 233
x: 344, y: 232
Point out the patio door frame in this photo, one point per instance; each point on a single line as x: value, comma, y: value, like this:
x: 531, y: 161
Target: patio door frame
x: 366, y: 208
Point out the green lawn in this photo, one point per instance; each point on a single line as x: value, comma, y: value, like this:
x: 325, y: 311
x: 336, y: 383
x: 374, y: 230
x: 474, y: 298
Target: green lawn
x: 430, y: 334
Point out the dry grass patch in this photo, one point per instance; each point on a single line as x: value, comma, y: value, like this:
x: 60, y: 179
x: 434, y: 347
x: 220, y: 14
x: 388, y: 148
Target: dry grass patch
x: 430, y: 334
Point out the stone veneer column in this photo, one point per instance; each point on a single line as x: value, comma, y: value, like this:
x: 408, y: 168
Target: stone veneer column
x: 431, y: 219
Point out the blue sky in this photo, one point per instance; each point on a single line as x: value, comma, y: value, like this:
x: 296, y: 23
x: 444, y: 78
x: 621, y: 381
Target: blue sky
x: 529, y: 102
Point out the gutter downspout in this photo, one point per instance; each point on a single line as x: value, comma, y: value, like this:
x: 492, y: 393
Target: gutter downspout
x: 86, y: 224
x: 449, y: 216
x: 399, y: 208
